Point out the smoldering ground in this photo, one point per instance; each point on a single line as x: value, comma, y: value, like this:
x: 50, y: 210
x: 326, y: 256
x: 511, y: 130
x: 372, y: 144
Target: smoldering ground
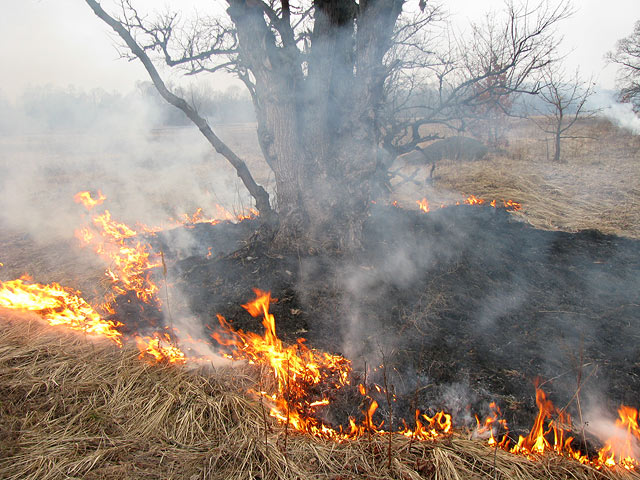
x: 453, y: 309
x: 465, y: 304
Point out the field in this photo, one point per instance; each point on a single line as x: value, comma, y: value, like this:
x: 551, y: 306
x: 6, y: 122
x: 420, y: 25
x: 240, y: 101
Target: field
x: 74, y: 408
x: 150, y: 176
x: 595, y: 186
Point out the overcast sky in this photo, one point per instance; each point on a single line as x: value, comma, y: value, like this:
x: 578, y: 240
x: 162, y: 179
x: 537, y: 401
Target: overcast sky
x: 61, y: 42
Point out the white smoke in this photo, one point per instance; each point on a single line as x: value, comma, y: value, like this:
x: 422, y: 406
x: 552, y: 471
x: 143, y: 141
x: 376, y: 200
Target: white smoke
x: 621, y: 114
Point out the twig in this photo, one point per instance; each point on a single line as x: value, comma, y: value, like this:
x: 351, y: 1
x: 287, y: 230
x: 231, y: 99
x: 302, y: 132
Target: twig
x: 495, y: 455
x: 166, y: 292
x: 578, y: 388
x: 264, y: 416
x: 286, y: 426
x: 388, y: 395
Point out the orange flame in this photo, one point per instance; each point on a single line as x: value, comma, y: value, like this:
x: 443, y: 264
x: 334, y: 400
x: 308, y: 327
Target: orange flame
x: 161, y: 348
x: 132, y: 261
x: 85, y: 199
x: 619, y: 450
x: 509, y: 205
x: 59, y: 306
x: 622, y: 448
x: 189, y: 221
x: 298, y: 370
x: 491, y: 425
x: 473, y: 200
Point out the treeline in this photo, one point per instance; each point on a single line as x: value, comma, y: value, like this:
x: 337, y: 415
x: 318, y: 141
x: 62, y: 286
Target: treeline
x: 53, y: 108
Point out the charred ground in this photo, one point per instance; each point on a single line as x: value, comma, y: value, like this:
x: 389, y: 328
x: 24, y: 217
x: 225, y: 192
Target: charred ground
x: 466, y: 304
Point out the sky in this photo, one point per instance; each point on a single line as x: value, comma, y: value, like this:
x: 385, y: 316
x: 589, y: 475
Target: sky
x: 61, y: 42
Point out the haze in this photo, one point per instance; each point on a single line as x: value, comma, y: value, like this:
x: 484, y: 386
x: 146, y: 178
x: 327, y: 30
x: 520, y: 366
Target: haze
x: 62, y: 43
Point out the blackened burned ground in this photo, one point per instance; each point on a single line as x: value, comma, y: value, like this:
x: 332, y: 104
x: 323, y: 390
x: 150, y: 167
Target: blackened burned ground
x: 467, y: 304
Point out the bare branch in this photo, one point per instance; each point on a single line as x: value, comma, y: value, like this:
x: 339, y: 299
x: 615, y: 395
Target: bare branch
x: 627, y: 57
x: 259, y: 194
x: 565, y: 100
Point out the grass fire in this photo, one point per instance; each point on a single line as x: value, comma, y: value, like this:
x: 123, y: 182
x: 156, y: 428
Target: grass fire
x: 320, y: 240
x: 298, y: 385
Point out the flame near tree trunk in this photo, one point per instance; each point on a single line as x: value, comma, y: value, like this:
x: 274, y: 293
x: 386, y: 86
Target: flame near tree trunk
x: 305, y: 379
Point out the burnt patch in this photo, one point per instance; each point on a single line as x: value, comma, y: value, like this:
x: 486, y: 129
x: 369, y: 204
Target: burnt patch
x: 467, y: 304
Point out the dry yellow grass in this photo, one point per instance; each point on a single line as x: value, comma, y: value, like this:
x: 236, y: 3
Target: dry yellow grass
x: 76, y: 409
x: 596, y: 187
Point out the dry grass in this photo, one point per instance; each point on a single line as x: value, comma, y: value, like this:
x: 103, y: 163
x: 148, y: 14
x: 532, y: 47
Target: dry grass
x: 74, y: 409
x: 596, y: 187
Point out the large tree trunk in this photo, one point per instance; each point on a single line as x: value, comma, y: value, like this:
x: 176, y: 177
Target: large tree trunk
x: 319, y: 130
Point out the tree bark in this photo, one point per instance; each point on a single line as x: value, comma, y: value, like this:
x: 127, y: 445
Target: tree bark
x: 556, y: 150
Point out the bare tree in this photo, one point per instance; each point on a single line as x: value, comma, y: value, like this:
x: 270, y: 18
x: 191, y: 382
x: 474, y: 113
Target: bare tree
x: 321, y: 76
x: 627, y: 56
x: 564, y: 100
x: 477, y: 75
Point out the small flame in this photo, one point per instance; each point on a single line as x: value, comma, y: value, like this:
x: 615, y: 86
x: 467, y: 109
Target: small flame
x: 473, y: 200
x: 509, y: 205
x: 161, y: 348
x: 85, y: 199
x: 619, y: 450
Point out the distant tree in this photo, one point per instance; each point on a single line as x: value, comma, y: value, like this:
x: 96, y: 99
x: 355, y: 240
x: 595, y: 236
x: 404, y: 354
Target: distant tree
x: 488, y: 118
x: 564, y: 102
x: 627, y: 57
x: 471, y: 80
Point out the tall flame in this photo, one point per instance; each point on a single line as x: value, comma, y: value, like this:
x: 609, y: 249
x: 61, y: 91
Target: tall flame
x: 131, y: 260
x: 622, y: 448
x: 299, y: 370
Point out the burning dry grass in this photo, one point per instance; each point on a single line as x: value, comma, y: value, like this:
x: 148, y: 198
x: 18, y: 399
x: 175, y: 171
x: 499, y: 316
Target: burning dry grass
x: 595, y: 187
x: 75, y: 409
x: 567, y: 197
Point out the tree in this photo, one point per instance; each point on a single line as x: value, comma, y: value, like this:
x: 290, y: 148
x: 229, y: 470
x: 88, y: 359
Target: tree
x: 565, y: 102
x: 322, y: 78
x: 472, y: 75
x: 627, y: 56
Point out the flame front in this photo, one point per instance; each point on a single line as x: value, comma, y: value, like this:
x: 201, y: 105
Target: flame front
x: 59, y: 306
x: 131, y: 260
x: 299, y: 371
x: 551, y: 432
x: 510, y: 205
x: 305, y: 379
x: 622, y: 448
